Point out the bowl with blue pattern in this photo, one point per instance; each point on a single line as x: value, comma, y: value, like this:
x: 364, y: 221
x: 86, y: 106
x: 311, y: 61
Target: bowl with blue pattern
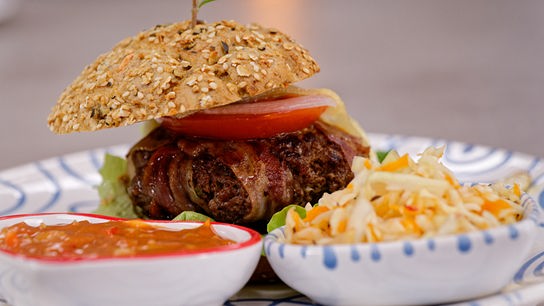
x: 410, y: 272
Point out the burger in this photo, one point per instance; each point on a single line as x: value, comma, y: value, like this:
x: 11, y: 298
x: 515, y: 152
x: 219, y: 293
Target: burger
x: 230, y: 136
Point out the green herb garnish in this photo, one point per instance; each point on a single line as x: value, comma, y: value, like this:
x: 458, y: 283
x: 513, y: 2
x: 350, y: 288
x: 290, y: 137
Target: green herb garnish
x: 204, y: 2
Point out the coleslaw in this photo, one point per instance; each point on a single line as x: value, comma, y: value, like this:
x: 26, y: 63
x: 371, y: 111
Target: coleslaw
x: 401, y: 198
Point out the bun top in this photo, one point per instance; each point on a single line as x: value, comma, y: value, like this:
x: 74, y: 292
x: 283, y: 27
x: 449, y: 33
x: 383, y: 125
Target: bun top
x: 174, y: 70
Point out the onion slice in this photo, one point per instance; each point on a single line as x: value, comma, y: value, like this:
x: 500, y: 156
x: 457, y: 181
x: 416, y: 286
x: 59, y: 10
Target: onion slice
x: 281, y: 105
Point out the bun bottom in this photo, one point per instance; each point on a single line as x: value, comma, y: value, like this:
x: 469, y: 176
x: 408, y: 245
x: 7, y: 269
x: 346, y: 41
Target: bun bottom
x: 264, y: 274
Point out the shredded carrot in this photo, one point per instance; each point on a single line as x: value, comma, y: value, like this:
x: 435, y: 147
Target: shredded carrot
x: 411, y: 208
x: 395, y: 165
x: 316, y: 211
x: 342, y: 225
x: 382, y: 207
x: 368, y: 164
x: 495, y: 207
x: 453, y: 182
x: 411, y: 225
x: 517, y: 190
x: 372, y: 232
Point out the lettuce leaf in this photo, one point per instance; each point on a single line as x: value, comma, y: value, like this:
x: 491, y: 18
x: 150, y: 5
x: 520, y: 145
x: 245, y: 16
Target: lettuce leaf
x: 382, y: 155
x: 278, y: 219
x: 191, y: 216
x: 114, y: 199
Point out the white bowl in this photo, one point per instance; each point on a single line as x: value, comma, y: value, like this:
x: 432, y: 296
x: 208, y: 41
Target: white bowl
x: 203, y: 278
x: 415, y: 272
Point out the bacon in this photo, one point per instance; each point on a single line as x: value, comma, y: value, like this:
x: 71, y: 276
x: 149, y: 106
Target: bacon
x: 243, y: 181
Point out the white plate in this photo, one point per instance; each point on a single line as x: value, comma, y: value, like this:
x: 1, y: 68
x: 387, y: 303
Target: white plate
x: 66, y: 183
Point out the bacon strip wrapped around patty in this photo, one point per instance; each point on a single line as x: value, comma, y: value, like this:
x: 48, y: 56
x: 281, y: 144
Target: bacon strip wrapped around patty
x: 239, y: 181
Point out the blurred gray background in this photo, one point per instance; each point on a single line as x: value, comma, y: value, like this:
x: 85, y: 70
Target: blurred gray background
x: 466, y: 70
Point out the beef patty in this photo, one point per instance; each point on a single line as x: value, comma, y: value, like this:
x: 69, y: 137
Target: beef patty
x: 242, y: 181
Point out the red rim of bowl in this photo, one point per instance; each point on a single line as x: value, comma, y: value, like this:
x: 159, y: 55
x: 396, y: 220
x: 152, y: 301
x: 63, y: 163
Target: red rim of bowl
x: 254, y: 238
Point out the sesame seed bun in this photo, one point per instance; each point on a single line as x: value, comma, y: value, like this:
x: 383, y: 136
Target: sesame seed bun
x: 174, y: 70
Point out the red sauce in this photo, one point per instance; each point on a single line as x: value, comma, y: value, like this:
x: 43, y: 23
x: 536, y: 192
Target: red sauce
x: 86, y: 240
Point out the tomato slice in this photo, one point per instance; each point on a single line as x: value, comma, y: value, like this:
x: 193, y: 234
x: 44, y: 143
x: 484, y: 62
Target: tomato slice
x: 243, y: 126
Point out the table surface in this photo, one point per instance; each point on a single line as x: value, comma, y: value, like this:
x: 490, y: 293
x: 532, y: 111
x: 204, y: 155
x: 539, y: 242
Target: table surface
x: 462, y: 70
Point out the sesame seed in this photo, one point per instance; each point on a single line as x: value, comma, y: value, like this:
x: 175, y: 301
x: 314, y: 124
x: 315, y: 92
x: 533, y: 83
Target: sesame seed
x: 255, y: 66
x: 178, y: 72
x: 242, y: 70
x: 171, y: 95
x: 205, y: 99
x: 306, y: 70
x: 288, y: 46
x: 125, y: 94
x: 231, y: 87
x: 204, y: 89
x: 140, y: 95
x: 213, y: 85
x: 191, y: 81
x: 259, y: 35
x: 122, y: 113
x: 90, y: 86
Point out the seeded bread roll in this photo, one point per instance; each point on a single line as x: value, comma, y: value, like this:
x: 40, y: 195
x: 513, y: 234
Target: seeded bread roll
x: 174, y: 70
